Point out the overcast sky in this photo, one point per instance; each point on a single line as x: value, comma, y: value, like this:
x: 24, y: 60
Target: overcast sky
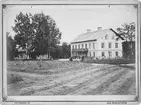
x: 73, y: 20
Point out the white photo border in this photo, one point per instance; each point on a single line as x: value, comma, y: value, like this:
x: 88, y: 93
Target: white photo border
x: 102, y: 98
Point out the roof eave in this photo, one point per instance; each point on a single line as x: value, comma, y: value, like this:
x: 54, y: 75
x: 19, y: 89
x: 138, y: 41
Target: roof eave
x: 84, y: 41
x: 116, y: 34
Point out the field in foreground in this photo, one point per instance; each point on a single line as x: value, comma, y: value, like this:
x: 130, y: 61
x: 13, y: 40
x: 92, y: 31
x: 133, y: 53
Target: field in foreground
x: 69, y: 78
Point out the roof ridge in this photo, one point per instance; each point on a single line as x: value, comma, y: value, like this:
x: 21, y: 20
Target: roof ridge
x: 88, y: 35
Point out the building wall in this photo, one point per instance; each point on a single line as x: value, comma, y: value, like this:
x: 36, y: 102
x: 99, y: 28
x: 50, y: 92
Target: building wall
x: 95, y: 47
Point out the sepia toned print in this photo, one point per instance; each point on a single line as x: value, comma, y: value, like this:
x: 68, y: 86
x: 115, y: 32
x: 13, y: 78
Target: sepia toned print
x: 70, y: 50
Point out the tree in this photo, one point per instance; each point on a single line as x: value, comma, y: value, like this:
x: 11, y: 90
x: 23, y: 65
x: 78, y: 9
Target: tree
x: 61, y: 51
x: 127, y: 32
x: 10, y: 47
x: 37, y: 33
x: 66, y: 50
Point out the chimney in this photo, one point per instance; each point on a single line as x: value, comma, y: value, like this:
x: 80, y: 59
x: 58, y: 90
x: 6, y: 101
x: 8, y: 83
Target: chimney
x: 88, y: 30
x: 99, y: 28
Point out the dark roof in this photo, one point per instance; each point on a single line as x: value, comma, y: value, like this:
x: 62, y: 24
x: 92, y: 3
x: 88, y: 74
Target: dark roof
x: 93, y: 35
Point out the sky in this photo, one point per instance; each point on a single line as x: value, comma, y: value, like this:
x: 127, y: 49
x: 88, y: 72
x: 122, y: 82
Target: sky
x: 73, y: 20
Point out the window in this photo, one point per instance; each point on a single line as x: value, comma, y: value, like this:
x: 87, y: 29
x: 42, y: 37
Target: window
x: 79, y: 46
x: 85, y: 45
x: 110, y: 54
x: 93, y: 45
x: 102, y: 45
x: 109, y: 45
x: 103, y: 54
x: 116, y: 53
x: 82, y: 45
x: 89, y: 45
x: 116, y: 45
x: 75, y: 46
x: 94, y: 54
x: 106, y: 36
x: 72, y: 46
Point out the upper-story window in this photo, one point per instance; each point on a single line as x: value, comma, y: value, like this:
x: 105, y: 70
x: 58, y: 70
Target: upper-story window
x: 72, y: 46
x: 79, y: 46
x: 110, y: 45
x: 82, y: 45
x: 93, y: 45
x: 75, y: 46
x: 116, y: 45
x: 85, y: 45
x: 89, y: 45
x: 113, y: 37
x: 106, y: 36
x: 102, y: 45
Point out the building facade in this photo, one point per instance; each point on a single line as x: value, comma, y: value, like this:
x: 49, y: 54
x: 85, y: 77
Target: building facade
x: 98, y: 44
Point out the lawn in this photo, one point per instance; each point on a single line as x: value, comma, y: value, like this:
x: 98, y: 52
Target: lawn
x: 60, y: 77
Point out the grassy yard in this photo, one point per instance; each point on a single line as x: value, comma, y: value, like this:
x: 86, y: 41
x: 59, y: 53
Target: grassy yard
x: 69, y: 78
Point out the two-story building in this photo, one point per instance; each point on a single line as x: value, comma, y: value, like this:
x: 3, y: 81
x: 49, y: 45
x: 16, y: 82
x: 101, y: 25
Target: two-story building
x: 102, y: 43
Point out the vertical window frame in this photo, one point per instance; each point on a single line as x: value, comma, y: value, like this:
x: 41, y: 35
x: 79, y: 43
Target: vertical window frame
x: 102, y: 45
x: 116, y: 45
x: 103, y: 54
x: 110, y: 45
x: 86, y: 45
x: 117, y: 54
x: 93, y: 45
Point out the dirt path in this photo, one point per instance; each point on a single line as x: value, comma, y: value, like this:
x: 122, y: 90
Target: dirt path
x: 94, y: 80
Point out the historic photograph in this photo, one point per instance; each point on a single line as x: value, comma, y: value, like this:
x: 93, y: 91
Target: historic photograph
x: 70, y: 49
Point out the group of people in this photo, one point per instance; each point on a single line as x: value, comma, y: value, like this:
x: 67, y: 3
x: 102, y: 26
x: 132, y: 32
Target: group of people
x: 80, y: 58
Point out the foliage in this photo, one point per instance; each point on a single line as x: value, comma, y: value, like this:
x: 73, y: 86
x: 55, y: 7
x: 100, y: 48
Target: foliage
x: 10, y: 47
x: 37, y: 33
x: 108, y: 61
x: 58, y: 52
x: 127, y: 31
x: 66, y: 50
x: 127, y: 49
x: 61, y: 51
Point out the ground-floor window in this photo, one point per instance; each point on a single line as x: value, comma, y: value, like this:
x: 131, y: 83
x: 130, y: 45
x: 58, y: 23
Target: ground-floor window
x: 116, y: 53
x: 94, y: 54
x: 110, y: 54
x: 103, y: 54
x: 90, y: 54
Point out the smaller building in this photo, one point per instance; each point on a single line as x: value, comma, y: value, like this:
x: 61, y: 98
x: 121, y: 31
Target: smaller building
x: 102, y: 43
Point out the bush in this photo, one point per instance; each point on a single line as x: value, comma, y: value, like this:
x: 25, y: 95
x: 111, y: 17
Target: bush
x: 13, y: 78
x: 109, y: 61
x: 127, y: 51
